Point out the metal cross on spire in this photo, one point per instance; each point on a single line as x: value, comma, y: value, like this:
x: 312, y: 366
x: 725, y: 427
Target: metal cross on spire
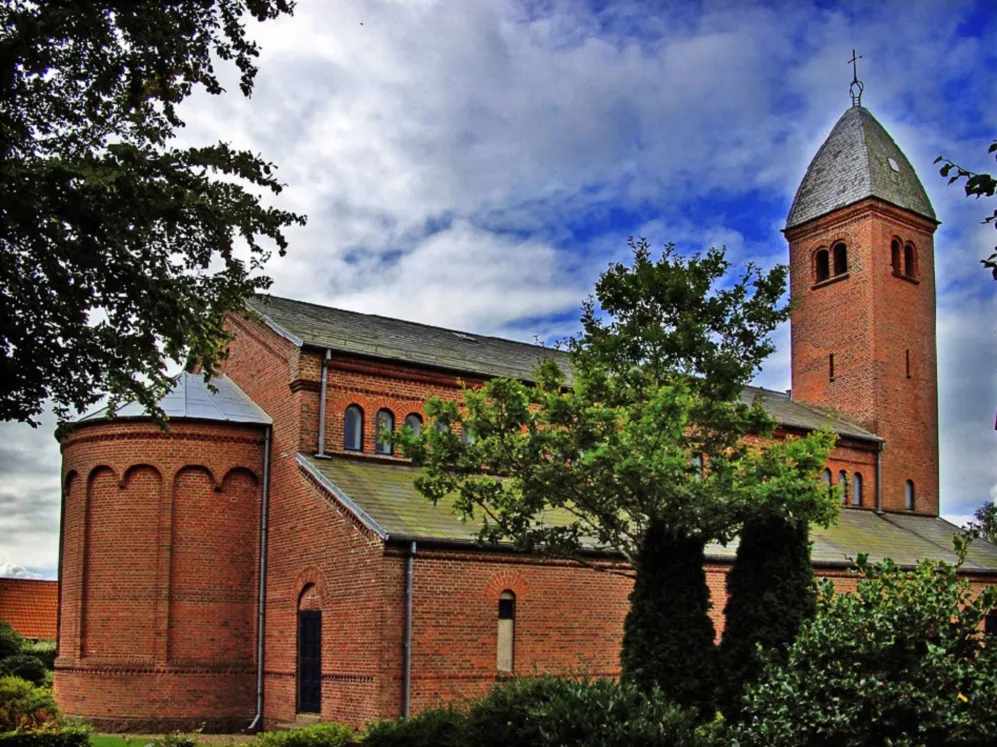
x: 856, y: 88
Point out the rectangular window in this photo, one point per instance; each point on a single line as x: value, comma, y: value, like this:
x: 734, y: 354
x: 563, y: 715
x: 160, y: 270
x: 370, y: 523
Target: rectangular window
x: 907, y: 352
x: 830, y: 367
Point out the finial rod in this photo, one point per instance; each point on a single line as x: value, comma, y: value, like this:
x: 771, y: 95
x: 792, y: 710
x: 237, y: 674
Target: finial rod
x: 856, y: 88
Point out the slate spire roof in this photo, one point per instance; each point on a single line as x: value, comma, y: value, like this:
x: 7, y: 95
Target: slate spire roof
x: 858, y: 160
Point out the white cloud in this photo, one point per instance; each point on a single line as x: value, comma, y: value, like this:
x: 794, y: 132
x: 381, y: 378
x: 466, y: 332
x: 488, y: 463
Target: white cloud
x: 9, y: 570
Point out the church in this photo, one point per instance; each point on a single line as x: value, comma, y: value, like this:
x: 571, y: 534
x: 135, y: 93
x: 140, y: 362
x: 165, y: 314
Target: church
x: 267, y: 561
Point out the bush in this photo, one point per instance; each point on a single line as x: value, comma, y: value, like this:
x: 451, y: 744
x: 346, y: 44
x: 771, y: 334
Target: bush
x: 11, y: 641
x: 25, y: 666
x: 69, y: 735
x: 24, y: 706
x: 899, y: 662
x: 44, y: 651
x: 178, y: 739
x: 442, y: 727
x: 319, y: 735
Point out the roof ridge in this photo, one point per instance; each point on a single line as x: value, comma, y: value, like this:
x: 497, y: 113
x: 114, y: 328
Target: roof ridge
x: 421, y: 325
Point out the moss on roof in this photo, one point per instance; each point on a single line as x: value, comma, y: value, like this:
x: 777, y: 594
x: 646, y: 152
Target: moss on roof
x: 386, y: 493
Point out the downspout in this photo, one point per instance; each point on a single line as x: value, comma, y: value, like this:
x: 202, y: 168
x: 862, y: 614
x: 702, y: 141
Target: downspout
x: 407, y: 682
x: 262, y: 591
x: 321, y: 405
x: 879, y: 479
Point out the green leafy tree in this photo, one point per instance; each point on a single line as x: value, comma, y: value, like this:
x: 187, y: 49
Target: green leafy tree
x: 640, y: 450
x: 902, y: 662
x: 119, y: 250
x: 977, y: 185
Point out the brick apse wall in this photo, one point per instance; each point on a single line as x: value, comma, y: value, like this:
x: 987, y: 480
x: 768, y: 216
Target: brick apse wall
x: 160, y: 548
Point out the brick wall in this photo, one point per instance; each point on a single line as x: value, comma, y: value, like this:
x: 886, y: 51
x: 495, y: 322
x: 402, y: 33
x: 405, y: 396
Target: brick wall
x: 870, y: 320
x: 158, y: 594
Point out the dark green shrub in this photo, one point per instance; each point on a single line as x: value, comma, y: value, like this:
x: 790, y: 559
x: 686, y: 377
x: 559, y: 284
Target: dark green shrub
x: 510, y: 714
x: 25, y: 666
x: 178, y: 739
x: 668, y: 636
x: 442, y: 727
x: 24, y: 706
x: 68, y: 735
x: 901, y: 661
x: 10, y: 640
x: 44, y: 651
x: 771, y: 591
x: 319, y: 735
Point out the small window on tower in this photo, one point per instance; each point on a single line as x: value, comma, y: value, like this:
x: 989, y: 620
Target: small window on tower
x: 840, y: 253
x: 990, y: 624
x: 909, y: 495
x: 907, y: 353
x: 830, y: 367
x: 414, y: 421
x: 910, y: 263
x: 385, y: 425
x: 506, y: 631
x: 856, y: 489
x: 823, y: 269
x: 896, y: 256
x: 353, y: 428
x: 827, y: 477
x: 843, y: 484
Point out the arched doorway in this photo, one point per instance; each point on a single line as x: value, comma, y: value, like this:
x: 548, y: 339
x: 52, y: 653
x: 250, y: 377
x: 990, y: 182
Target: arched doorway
x: 309, y: 651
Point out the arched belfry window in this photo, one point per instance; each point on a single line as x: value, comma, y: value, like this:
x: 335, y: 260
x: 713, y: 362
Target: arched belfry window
x: 823, y: 266
x: 856, y: 489
x: 910, y: 263
x: 909, y: 495
x: 843, y: 484
x: 414, y: 421
x: 827, y: 477
x: 506, y: 631
x: 385, y: 421
x: 353, y: 428
x: 896, y: 256
x: 840, y: 255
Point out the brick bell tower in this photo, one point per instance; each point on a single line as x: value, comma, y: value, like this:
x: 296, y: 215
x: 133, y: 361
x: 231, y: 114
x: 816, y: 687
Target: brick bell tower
x: 862, y: 276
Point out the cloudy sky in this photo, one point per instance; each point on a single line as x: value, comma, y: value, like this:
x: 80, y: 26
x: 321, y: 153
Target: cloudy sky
x: 477, y: 165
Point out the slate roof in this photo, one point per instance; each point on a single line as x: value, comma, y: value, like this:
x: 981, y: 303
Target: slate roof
x: 30, y: 606
x: 853, y: 164
x: 385, y: 494
x: 467, y: 353
x: 191, y: 399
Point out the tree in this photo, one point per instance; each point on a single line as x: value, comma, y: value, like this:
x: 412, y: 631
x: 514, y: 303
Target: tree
x: 902, y: 661
x: 977, y: 185
x: 120, y: 251
x: 640, y: 450
x: 986, y: 521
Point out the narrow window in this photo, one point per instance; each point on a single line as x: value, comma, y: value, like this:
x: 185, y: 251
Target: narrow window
x: 697, y: 468
x: 506, y: 631
x: 827, y: 477
x: 909, y: 269
x: 830, y: 367
x: 441, y: 426
x: 385, y: 424
x: 990, y: 623
x: 907, y: 353
x: 909, y: 495
x: 840, y: 253
x: 856, y: 489
x: 414, y: 421
x: 353, y: 429
x: 843, y: 484
x: 467, y: 435
x: 895, y: 256
x: 823, y: 266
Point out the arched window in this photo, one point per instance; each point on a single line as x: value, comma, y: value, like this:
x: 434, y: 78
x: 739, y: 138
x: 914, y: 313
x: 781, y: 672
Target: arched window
x: 896, y: 258
x: 353, y: 428
x: 823, y: 265
x: 990, y: 624
x: 843, y: 484
x: 506, y: 631
x: 909, y: 495
x: 385, y: 421
x: 910, y: 268
x: 856, y: 489
x: 414, y: 421
x: 827, y: 477
x: 840, y: 253
x: 441, y: 426
x: 697, y: 467
x: 467, y: 435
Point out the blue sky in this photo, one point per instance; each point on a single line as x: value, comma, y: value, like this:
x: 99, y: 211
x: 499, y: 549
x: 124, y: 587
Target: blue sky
x: 477, y: 165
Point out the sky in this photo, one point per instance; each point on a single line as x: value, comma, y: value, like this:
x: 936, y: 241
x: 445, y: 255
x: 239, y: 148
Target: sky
x: 478, y: 165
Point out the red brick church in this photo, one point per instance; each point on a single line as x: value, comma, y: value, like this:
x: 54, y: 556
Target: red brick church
x: 267, y: 560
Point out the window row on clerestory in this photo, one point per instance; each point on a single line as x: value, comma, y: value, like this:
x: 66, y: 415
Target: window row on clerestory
x: 384, y: 421
x: 854, y: 496
x: 832, y: 263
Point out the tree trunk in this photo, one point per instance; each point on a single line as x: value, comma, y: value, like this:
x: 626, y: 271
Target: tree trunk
x: 668, y: 636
